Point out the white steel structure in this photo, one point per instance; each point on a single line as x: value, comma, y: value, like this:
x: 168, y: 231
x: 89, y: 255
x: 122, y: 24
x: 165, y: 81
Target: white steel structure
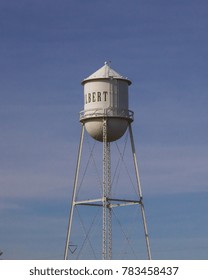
x: 106, y: 117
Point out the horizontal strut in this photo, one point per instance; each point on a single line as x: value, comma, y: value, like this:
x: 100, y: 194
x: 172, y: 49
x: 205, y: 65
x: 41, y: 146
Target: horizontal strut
x: 93, y: 202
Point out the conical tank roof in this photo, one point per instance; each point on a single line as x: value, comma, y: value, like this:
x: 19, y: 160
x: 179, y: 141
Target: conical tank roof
x: 105, y: 72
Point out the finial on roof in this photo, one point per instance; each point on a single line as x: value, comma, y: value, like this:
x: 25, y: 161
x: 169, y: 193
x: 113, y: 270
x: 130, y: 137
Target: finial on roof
x: 107, y: 62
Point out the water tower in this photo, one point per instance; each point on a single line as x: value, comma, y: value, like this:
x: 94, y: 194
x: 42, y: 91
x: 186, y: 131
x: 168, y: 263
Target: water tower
x: 106, y: 117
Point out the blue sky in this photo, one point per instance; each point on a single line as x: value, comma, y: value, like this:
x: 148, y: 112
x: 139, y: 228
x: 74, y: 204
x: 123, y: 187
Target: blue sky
x: 46, y: 48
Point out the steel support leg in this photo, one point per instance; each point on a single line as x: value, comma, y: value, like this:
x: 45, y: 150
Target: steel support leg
x: 140, y: 193
x: 74, y: 194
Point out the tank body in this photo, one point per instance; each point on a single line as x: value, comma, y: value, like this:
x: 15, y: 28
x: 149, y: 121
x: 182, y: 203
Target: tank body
x: 106, y: 97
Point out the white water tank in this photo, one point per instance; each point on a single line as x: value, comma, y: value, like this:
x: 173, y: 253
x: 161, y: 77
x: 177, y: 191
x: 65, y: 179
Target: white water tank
x: 106, y: 97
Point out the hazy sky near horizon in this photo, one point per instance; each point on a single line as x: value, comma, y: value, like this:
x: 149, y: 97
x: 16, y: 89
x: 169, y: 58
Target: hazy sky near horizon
x: 46, y: 49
